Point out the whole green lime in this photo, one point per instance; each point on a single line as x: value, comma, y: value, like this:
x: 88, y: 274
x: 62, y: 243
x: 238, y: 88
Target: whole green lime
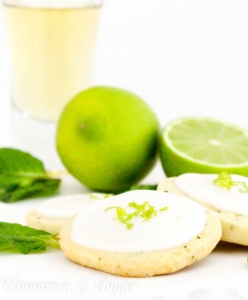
x: 107, y: 138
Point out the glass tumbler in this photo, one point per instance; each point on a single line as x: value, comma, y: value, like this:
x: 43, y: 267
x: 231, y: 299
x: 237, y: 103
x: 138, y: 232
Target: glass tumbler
x: 52, y: 45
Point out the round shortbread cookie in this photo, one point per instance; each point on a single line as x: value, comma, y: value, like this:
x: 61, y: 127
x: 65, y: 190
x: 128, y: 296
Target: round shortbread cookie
x: 144, y: 264
x: 60, y: 209
x: 234, y: 226
x: 37, y: 221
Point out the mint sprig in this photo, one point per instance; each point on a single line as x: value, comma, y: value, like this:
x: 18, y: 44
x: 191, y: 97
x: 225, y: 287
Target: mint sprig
x: 23, y: 239
x: 23, y: 176
x: 144, y: 187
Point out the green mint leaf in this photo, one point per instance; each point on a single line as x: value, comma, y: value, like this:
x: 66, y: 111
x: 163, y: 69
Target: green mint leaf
x: 23, y: 176
x: 144, y: 187
x: 24, y: 239
x: 38, y: 188
x: 18, y: 166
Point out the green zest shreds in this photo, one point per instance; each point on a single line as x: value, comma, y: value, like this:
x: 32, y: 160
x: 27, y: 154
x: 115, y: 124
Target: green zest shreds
x: 123, y: 216
x: 96, y: 197
x: 145, y: 211
x: 225, y: 180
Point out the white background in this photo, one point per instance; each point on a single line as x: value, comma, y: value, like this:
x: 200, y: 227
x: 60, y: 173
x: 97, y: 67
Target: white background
x: 183, y: 57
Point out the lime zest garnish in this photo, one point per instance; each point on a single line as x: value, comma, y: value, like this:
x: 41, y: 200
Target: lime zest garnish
x: 108, y: 195
x: 93, y: 196
x: 163, y: 209
x: 225, y: 180
x: 145, y: 211
x: 122, y: 216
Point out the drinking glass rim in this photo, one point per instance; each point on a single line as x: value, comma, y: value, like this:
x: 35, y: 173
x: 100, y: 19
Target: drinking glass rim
x: 53, y: 4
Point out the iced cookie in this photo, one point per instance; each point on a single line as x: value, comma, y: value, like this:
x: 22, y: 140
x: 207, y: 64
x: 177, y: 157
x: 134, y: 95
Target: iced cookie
x: 51, y: 214
x: 225, y: 195
x: 140, y: 233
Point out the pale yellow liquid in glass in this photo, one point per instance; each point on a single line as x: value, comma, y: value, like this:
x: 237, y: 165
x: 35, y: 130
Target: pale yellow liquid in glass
x: 52, y: 56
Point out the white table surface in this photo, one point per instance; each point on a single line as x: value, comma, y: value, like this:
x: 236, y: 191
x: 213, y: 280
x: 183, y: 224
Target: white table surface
x: 184, y: 58
x: 35, y: 276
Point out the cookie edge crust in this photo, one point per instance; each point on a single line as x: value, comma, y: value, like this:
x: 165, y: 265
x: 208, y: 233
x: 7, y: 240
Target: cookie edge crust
x: 37, y: 221
x: 144, y: 264
x: 234, y: 226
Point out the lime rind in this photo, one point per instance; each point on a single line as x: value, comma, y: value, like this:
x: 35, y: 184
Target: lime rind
x: 193, y: 132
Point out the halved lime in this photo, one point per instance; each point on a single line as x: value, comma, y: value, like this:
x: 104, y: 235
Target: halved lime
x: 203, y: 145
